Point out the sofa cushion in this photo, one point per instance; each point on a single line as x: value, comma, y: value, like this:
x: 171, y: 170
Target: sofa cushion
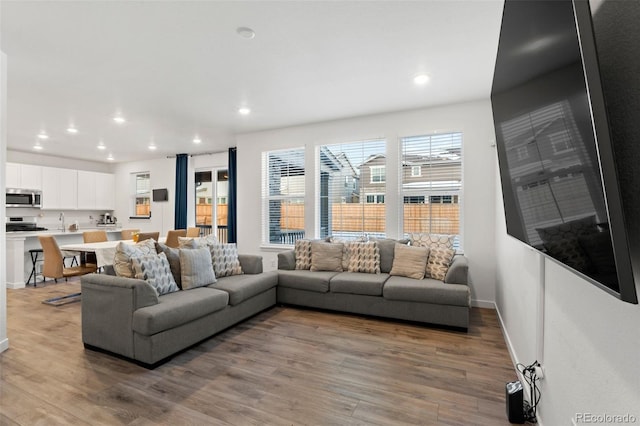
x: 306, y: 280
x: 178, y: 308
x: 387, y: 247
x: 225, y: 259
x: 410, y: 261
x: 196, y: 268
x: 155, y: 270
x: 358, y: 283
x: 243, y: 287
x: 302, y: 252
x: 426, y: 290
x: 438, y: 264
x: 326, y: 256
x: 364, y: 257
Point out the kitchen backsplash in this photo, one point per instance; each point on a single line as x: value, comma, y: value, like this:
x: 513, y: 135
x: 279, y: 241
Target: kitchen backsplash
x: 50, y: 219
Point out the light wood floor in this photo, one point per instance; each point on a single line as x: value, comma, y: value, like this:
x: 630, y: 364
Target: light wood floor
x: 285, y: 366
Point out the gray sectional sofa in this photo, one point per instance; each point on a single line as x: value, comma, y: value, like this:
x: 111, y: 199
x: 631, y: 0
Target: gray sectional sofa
x: 126, y: 317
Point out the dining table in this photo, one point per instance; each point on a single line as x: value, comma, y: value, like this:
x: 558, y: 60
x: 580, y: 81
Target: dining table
x: 105, y: 251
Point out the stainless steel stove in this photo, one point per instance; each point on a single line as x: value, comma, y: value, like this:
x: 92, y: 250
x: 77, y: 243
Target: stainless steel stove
x: 23, y: 224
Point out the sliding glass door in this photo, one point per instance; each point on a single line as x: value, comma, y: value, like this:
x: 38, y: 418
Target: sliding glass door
x: 211, y: 198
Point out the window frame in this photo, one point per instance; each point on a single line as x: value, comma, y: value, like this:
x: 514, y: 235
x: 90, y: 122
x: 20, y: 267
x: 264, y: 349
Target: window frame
x: 383, y: 175
x: 135, y: 194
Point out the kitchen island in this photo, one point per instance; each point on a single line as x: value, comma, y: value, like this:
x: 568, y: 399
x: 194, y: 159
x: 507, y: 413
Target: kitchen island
x: 19, y: 263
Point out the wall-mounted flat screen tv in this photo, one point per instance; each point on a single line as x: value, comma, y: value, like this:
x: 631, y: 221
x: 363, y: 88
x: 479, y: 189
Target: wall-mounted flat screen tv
x: 558, y: 172
x: 160, y: 195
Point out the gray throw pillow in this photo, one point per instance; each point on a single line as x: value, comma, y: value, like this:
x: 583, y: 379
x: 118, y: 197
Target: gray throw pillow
x: 387, y: 251
x: 155, y: 270
x: 196, y: 268
x: 173, y: 256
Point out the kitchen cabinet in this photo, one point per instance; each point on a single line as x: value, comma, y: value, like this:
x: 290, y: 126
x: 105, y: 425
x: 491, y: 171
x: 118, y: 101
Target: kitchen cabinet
x: 96, y: 191
x: 23, y: 176
x: 59, y: 189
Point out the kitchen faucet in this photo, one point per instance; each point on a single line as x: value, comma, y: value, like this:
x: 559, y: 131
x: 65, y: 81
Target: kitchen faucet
x: 61, y: 218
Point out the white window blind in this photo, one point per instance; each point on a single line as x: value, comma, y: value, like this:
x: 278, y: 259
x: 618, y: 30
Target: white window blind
x: 352, y: 189
x: 431, y: 198
x: 283, y: 191
x: 140, y: 194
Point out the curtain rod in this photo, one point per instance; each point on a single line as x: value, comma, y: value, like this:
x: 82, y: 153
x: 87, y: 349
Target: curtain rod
x: 202, y: 153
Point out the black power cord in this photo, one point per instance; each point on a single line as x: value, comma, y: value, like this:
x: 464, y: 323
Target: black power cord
x: 531, y: 377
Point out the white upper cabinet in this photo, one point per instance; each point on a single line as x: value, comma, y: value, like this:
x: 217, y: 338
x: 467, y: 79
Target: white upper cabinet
x: 24, y: 176
x: 96, y: 191
x: 59, y: 188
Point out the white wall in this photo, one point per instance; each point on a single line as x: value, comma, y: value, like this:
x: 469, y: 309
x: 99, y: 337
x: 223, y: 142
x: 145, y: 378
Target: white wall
x: 591, y: 339
x: 4, y: 340
x: 473, y: 119
x: 51, y: 160
x: 163, y: 174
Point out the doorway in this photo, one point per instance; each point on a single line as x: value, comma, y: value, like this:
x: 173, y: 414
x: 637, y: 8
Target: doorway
x: 211, y: 198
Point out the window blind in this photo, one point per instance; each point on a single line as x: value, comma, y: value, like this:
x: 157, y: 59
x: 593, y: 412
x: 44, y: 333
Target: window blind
x: 352, y: 180
x: 283, y: 195
x: 431, y: 178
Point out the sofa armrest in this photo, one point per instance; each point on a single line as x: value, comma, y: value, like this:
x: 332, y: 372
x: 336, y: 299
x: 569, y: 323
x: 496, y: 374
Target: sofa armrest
x: 287, y: 260
x: 108, y: 304
x: 458, y: 271
x: 250, y: 263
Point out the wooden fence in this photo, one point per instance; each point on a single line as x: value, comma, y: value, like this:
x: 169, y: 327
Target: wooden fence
x: 351, y: 217
x: 203, y: 214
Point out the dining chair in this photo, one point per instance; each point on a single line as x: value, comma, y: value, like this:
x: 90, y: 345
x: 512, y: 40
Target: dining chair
x: 127, y: 234
x: 94, y: 236
x: 53, y: 266
x: 148, y: 235
x: 193, y: 232
x: 172, y: 237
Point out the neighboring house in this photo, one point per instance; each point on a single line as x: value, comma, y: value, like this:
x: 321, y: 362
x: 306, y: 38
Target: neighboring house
x: 373, y: 179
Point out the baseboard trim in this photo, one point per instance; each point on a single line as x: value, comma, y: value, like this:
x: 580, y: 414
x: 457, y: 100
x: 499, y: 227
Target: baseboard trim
x: 4, y: 345
x: 488, y: 304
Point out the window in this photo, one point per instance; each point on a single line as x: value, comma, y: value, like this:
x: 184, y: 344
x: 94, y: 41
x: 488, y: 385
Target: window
x: 283, y: 192
x: 432, y: 202
x: 357, y: 209
x: 416, y: 171
x: 378, y: 174
x: 140, y: 194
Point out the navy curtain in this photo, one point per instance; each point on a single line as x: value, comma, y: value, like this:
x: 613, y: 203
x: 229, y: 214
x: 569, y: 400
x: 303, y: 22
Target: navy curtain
x: 180, y: 216
x: 232, y: 207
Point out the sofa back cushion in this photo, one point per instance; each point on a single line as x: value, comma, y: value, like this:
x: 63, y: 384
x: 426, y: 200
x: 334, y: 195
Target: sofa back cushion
x: 387, y: 248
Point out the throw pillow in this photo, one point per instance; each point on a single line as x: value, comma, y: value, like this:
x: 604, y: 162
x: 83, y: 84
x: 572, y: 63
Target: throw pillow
x: 387, y: 251
x: 124, y: 253
x: 410, y: 261
x: 225, y: 259
x: 438, y: 263
x: 155, y: 270
x: 302, y: 252
x: 173, y: 256
x: 196, y: 268
x: 364, y: 257
x: 326, y: 256
x: 432, y: 240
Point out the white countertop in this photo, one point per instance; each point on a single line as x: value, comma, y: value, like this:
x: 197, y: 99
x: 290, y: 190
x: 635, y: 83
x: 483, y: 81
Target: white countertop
x: 27, y: 234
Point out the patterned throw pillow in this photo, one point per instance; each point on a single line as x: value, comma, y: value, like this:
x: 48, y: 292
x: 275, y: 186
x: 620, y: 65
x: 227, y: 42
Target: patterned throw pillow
x: 438, y: 263
x: 410, y: 261
x: 326, y: 256
x: 432, y: 240
x: 364, y: 257
x: 124, y: 253
x: 225, y: 259
x: 302, y: 252
x: 155, y: 269
x: 196, y: 268
x: 198, y: 242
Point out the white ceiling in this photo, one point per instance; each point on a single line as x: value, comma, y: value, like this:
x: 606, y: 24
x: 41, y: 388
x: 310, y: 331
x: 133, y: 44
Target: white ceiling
x: 175, y: 69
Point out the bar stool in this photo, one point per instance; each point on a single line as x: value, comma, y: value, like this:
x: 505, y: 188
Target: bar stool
x: 34, y: 253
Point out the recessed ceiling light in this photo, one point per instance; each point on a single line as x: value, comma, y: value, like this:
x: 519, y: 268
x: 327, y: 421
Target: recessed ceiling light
x: 72, y: 130
x: 43, y: 135
x: 246, y: 32
x: 421, y: 79
x: 197, y: 140
x: 119, y: 119
x: 37, y: 146
x: 101, y: 146
x: 244, y: 111
x: 152, y: 147
x: 110, y: 157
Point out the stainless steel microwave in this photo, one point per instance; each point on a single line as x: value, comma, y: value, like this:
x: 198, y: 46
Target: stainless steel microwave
x: 23, y: 198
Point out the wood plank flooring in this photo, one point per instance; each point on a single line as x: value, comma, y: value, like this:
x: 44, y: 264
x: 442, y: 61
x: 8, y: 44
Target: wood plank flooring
x: 286, y: 366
